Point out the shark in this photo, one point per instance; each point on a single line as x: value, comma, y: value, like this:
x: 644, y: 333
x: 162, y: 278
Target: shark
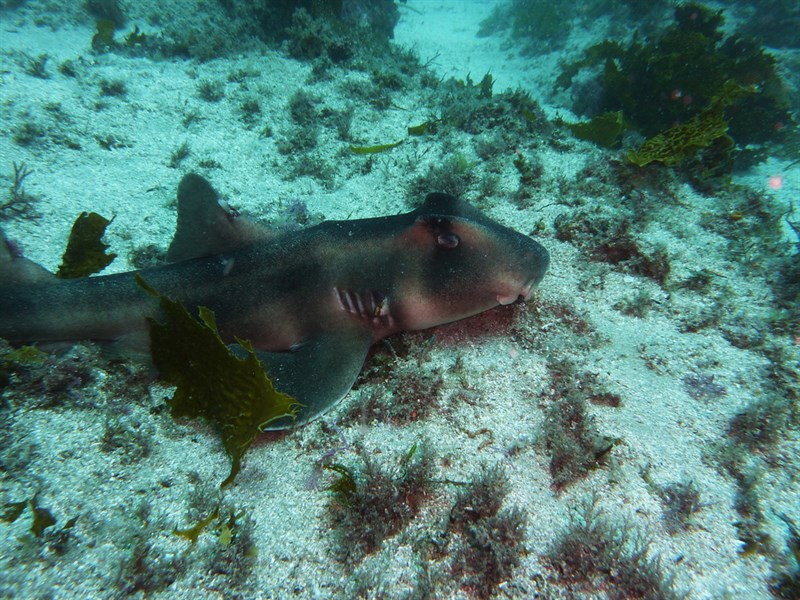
x: 311, y: 302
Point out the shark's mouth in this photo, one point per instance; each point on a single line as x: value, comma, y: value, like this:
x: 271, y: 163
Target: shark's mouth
x: 523, y: 294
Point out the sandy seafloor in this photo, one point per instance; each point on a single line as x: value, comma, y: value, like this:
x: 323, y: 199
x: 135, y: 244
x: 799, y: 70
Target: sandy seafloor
x: 490, y: 410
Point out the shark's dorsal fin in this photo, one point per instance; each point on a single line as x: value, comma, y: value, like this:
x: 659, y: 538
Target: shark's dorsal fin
x: 18, y: 270
x: 206, y: 226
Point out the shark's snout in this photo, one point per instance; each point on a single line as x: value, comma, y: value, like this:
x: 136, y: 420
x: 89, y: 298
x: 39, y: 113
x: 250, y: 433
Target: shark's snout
x: 539, y: 259
x: 523, y: 294
x: 527, y: 290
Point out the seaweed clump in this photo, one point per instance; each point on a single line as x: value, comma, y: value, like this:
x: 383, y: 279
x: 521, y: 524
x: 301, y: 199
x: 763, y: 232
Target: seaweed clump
x: 490, y: 539
x: 375, y: 501
x: 50, y: 380
x: 569, y: 433
x: 608, y: 238
x: 752, y: 442
x: 474, y: 107
x: 19, y: 202
x: 415, y: 395
x: 149, y: 566
x: 597, y: 553
x: 787, y: 284
x: 233, y: 394
x: 575, y: 446
x: 676, y: 77
x: 315, y: 28
x: 355, y: 29
x: 786, y: 583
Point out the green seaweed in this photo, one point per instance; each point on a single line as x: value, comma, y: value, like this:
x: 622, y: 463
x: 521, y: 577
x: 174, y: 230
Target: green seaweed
x: 604, y: 130
x: 681, y: 142
x: 193, y: 532
x: 135, y: 38
x: 12, y: 511
x: 423, y: 128
x: 103, y: 39
x: 235, y: 395
x: 374, y: 149
x: 86, y: 252
x: 41, y: 518
x: 675, y: 75
x: 23, y: 356
x: 344, y: 488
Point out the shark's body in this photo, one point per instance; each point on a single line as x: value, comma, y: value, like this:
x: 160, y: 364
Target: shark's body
x: 312, y: 302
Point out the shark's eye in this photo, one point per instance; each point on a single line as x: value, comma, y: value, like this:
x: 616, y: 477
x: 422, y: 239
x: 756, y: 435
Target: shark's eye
x: 447, y: 240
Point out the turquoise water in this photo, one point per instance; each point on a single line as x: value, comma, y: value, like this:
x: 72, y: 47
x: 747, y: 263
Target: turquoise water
x: 626, y: 428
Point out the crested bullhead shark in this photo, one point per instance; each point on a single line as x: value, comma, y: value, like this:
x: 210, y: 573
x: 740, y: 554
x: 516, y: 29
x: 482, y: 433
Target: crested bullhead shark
x: 311, y: 302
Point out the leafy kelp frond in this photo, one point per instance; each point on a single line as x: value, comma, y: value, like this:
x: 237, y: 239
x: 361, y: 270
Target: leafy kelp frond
x: 425, y: 128
x: 604, y: 130
x: 374, y: 149
x: 42, y: 518
x: 86, y: 252
x: 678, y: 143
x: 233, y: 394
x: 103, y: 39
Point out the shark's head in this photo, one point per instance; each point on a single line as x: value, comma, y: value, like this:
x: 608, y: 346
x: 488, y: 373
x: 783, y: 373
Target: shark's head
x: 457, y: 262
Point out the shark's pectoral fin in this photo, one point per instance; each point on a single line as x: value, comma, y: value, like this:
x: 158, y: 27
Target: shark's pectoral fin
x: 319, y: 373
